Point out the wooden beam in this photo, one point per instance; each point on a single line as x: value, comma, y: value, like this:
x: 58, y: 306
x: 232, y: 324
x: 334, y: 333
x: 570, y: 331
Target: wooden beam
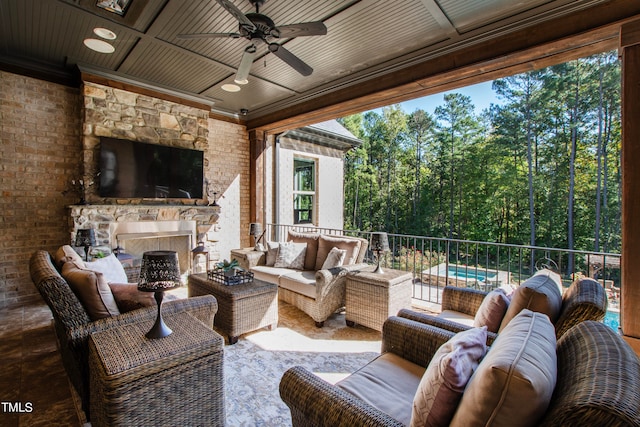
x: 630, y: 288
x: 552, y: 42
x: 256, y: 177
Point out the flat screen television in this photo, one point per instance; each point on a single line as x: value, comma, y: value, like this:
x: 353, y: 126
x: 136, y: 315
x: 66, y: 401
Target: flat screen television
x: 131, y: 169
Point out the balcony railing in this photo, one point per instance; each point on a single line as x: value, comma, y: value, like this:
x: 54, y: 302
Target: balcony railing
x: 436, y: 262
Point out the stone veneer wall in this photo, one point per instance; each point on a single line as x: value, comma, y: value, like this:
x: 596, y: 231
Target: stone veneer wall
x: 48, y: 139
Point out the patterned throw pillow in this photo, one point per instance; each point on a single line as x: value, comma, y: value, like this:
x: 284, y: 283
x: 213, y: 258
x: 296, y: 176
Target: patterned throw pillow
x: 291, y: 255
x: 443, y: 383
x: 335, y: 258
x: 492, y: 310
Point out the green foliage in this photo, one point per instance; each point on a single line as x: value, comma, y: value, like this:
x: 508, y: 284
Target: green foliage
x: 541, y: 168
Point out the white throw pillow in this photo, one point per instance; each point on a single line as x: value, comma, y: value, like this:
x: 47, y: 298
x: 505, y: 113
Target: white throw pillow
x: 291, y: 255
x: 335, y: 258
x: 110, y: 267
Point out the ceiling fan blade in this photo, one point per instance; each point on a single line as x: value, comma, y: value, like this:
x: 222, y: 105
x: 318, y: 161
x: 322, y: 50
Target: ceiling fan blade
x: 237, y: 13
x: 304, y: 29
x: 245, y: 65
x: 288, y: 57
x: 207, y: 35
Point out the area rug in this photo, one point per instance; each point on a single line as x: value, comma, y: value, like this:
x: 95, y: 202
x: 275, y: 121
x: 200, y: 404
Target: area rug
x: 253, y: 367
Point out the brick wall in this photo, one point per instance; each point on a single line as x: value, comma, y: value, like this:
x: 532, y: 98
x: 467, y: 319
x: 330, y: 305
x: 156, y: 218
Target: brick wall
x: 48, y: 139
x: 40, y: 147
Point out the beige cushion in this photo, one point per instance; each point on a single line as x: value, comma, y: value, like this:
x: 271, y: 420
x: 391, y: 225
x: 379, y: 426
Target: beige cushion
x: 540, y: 292
x: 128, y: 297
x: 388, y: 383
x: 291, y: 255
x: 443, y: 382
x: 92, y: 290
x: 311, y: 239
x: 456, y: 316
x: 492, y: 310
x: 326, y: 243
x: 111, y: 268
x: 67, y: 253
x: 514, y: 383
x: 334, y: 259
x: 272, y: 253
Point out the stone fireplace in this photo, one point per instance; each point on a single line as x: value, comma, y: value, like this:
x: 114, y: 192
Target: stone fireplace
x: 140, y: 228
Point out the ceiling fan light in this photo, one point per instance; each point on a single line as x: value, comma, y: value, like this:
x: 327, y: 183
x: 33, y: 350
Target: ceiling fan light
x: 245, y: 65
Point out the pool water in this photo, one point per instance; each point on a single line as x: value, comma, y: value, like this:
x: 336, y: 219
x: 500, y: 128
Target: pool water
x: 612, y: 320
x: 470, y: 273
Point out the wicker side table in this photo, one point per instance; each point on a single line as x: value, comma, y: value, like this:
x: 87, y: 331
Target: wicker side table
x: 371, y: 297
x: 176, y: 380
x: 242, y: 308
x: 248, y: 257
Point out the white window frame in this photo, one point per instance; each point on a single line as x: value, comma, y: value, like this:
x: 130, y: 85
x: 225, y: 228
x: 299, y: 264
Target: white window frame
x: 312, y: 193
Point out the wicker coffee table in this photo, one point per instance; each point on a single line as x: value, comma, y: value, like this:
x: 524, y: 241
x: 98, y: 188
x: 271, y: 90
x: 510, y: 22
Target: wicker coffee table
x: 242, y: 308
x: 176, y: 381
x: 372, y: 297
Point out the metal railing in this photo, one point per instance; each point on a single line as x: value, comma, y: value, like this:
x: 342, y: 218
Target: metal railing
x: 436, y: 262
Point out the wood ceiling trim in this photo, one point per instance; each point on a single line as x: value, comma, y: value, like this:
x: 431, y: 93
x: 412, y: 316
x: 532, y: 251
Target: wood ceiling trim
x: 551, y: 42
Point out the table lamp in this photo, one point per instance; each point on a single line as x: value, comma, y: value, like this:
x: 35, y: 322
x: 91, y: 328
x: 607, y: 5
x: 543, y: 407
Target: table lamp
x: 255, y: 230
x: 86, y: 237
x: 379, y: 243
x: 159, y: 272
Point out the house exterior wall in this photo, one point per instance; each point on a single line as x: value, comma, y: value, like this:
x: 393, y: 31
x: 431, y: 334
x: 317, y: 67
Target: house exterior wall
x: 48, y: 135
x: 329, y: 204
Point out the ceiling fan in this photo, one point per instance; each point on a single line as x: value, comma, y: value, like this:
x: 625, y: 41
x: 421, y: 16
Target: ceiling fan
x: 259, y: 28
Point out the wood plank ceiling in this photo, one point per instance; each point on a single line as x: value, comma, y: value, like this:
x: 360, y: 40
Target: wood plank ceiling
x: 367, y: 42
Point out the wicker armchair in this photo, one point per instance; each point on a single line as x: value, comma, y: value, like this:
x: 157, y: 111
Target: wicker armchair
x: 73, y: 325
x: 598, y: 380
x: 584, y: 300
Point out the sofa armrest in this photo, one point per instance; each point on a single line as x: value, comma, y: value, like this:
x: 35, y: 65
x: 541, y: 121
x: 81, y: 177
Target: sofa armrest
x: 329, y: 279
x: 413, y: 341
x: 315, y: 402
x: 462, y: 300
x: 441, y: 323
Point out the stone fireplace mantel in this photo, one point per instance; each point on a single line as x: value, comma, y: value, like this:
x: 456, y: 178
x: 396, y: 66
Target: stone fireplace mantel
x: 102, y: 218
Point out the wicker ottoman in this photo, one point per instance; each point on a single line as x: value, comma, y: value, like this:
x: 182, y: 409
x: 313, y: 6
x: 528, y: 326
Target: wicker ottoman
x: 242, y: 308
x: 372, y: 297
x: 176, y: 380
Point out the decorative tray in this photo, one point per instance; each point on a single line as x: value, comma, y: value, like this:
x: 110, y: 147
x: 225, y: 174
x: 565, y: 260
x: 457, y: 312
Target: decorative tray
x: 240, y: 277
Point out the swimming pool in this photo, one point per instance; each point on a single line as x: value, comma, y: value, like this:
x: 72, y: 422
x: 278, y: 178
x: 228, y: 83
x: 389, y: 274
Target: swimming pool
x: 612, y: 320
x: 470, y: 274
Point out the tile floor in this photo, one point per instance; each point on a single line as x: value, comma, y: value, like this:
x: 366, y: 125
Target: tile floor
x: 34, y: 388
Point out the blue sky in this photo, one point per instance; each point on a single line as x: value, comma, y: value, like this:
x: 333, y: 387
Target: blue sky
x: 481, y: 96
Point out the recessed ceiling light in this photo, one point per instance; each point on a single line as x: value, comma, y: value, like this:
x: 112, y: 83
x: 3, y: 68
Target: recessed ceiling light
x: 105, y: 33
x: 230, y: 87
x: 99, y: 45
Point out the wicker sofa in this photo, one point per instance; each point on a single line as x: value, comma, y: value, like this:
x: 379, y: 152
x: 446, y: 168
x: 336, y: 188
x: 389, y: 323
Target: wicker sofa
x: 73, y: 326
x: 584, y: 300
x: 316, y: 291
x: 598, y: 382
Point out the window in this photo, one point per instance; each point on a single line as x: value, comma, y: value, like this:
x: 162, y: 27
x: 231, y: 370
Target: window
x: 304, y: 191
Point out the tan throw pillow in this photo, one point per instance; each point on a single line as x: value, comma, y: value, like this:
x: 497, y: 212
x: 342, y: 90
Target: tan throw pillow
x: 311, y: 239
x: 334, y: 259
x: 109, y: 266
x: 272, y: 253
x: 492, y: 310
x: 291, y: 255
x: 443, y: 382
x: 514, y: 383
x: 92, y: 290
x: 326, y: 243
x: 540, y: 292
x: 67, y: 253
